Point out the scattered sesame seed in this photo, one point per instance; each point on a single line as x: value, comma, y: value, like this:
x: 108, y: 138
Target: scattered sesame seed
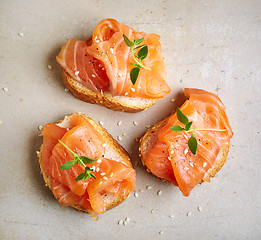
x: 141, y: 190
x: 189, y: 214
x: 186, y: 168
x: 77, y: 73
x: 49, y: 67
x: 93, y: 168
x: 119, y: 74
x: 186, y: 151
x: 119, y: 123
x: 147, y: 126
x: 172, y: 152
x: 100, y: 183
x: 200, y: 208
x: 204, y: 164
x: 124, y: 134
x: 99, y: 161
x: 105, y: 178
x: 125, y: 223
x: 119, y: 138
x: 152, y: 211
x: 159, y: 192
x: 20, y: 34
x: 172, y: 100
x: 171, y: 216
x: 67, y: 129
x: 93, y: 75
x: 191, y: 164
x: 127, y: 219
x: 161, y: 232
x: 135, y: 123
x: 102, y: 174
x: 149, y: 187
x: 126, y: 94
x: 111, y: 174
x: 169, y: 158
x: 120, y: 222
x: 66, y: 90
x: 101, y: 123
x: 136, y: 194
x: 40, y: 127
x: 111, y: 49
x: 97, y: 169
x: 133, y: 89
x: 186, y: 137
x: 5, y: 89
x: 103, y: 145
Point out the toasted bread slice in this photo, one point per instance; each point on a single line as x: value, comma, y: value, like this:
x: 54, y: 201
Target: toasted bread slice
x: 148, y: 141
x: 113, y: 150
x: 117, y: 103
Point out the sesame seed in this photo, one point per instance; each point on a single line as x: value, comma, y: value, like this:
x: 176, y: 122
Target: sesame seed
x: 127, y: 219
x: 161, y: 232
x: 169, y: 158
x: 136, y: 194
x: 67, y: 129
x: 119, y: 74
x: 120, y: 222
x: 159, y: 192
x: 172, y: 100
x: 111, y: 49
x: 152, y: 211
x: 93, y: 168
x: 171, y: 216
x: 189, y: 214
x: 125, y: 223
x: 147, y: 126
x: 103, y: 145
x: 5, y: 89
x: 133, y: 89
x: 186, y: 137
x: 100, y: 183
x: 191, y: 164
x: 119, y: 123
x: 40, y: 127
x: 186, y: 151
x: 102, y: 174
x: 101, y: 123
x: 37, y: 152
x: 93, y: 75
x: 204, y: 164
x: 103, y: 69
x: 135, y: 123
x: 76, y: 73
x: 100, y: 65
x: 97, y: 169
x: 111, y: 174
x: 172, y: 152
x: 105, y: 178
x: 20, y: 34
x: 49, y: 67
x: 124, y: 134
x: 119, y: 138
x: 186, y: 168
x: 200, y: 208
x: 99, y: 161
x: 126, y: 94
x: 66, y: 90
x: 149, y: 187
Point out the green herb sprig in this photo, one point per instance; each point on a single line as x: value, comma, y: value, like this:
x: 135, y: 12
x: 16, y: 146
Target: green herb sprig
x: 80, y: 160
x: 192, y: 142
x: 142, y: 54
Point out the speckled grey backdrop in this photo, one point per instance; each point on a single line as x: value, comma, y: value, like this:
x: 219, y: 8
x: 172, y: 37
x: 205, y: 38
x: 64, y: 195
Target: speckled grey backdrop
x: 215, y: 45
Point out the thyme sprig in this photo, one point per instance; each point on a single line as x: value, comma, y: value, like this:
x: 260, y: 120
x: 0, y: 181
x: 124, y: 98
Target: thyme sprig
x: 192, y: 142
x: 80, y: 160
x: 142, y: 54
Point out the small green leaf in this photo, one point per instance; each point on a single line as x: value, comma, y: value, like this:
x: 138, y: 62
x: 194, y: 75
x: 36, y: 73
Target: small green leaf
x: 134, y: 73
x: 67, y: 165
x: 136, y: 65
x: 93, y: 175
x: 138, y: 41
x: 188, y: 125
x: 182, y: 117
x: 80, y: 177
x: 193, y: 144
x: 87, y: 160
x: 143, y: 53
x: 176, y: 128
x: 128, y: 42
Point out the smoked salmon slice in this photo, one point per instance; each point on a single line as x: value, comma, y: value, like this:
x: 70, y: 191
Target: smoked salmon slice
x: 103, y: 64
x: 113, y: 178
x: 205, y: 110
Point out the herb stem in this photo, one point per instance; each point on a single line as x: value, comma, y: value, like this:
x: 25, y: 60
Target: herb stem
x: 67, y: 148
x: 135, y: 59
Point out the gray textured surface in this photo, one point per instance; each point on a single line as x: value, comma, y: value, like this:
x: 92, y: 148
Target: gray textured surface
x: 215, y: 45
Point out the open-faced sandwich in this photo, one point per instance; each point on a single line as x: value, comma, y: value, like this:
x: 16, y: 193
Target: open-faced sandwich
x: 84, y: 166
x: 191, y: 145
x: 117, y: 67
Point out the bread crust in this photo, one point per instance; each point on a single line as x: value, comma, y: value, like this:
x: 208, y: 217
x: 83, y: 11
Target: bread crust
x: 118, y: 103
x: 148, y: 141
x: 114, y: 148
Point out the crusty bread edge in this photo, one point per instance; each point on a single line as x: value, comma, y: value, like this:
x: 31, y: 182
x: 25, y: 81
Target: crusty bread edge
x: 118, y: 103
x: 147, y: 142
x: 123, y: 157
